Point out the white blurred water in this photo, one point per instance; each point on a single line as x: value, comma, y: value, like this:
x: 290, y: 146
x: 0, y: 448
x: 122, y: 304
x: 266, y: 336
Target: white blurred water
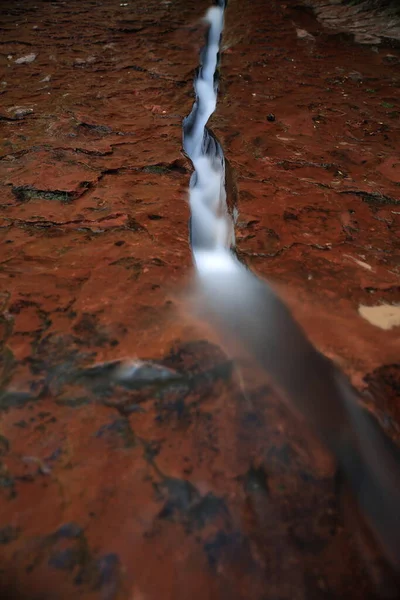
x: 212, y: 227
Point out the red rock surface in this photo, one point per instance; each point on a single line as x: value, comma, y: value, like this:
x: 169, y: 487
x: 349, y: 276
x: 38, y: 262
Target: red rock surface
x: 190, y: 487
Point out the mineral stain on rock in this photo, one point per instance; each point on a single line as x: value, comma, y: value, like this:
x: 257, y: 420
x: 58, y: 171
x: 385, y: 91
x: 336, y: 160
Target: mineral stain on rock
x: 8, y: 534
x: 66, y: 559
x: 108, y: 576
x: 256, y: 480
x: 118, y: 428
x: 222, y: 547
x: 185, y: 504
x: 69, y: 531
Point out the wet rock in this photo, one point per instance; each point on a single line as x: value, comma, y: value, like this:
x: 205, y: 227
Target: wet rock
x: 139, y: 373
x: 307, y: 539
x: 355, y: 76
x: 302, y: 34
x: 391, y: 59
x: 194, y: 356
x: 283, y: 455
x: 185, y: 504
x: 4, y: 445
x: 19, y: 112
x: 384, y: 384
x: 88, y: 328
x: 181, y: 496
x: 7, y: 482
x: 10, y: 399
x: 41, y: 467
x: 108, y: 579
x: 256, y: 480
x: 69, y: 531
x: 118, y: 428
x: 81, y: 62
x: 65, y: 560
x: 131, y: 375
x: 222, y: 544
x: 8, y: 534
x: 26, y: 60
x: 207, y: 510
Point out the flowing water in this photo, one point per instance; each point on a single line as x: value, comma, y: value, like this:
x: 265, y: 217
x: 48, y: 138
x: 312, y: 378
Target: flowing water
x: 211, y: 225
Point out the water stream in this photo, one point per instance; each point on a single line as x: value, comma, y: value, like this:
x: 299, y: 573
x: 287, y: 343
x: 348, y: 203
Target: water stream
x: 211, y: 224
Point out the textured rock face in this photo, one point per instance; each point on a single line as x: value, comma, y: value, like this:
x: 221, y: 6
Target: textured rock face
x: 173, y: 479
x: 369, y: 21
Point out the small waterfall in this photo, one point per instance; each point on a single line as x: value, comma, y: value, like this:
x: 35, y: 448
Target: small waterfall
x: 211, y: 225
